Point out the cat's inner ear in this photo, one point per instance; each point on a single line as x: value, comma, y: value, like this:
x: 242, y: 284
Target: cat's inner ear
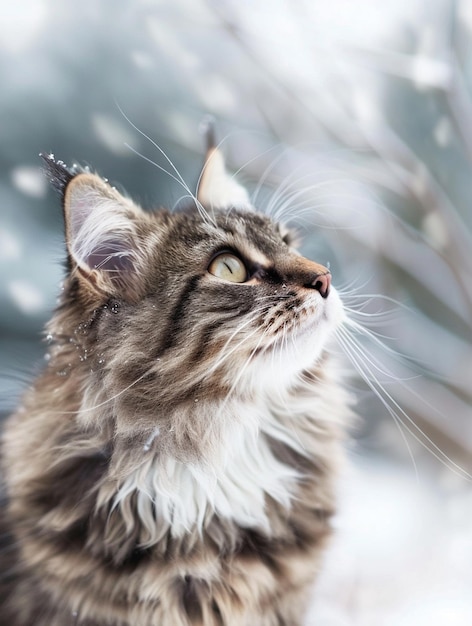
x: 217, y: 189
x: 101, y: 232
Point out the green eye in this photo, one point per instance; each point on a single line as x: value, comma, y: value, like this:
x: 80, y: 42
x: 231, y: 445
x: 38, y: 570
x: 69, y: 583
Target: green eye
x: 228, y: 267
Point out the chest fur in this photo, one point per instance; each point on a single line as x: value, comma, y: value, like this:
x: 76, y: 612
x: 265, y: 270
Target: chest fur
x: 233, y: 483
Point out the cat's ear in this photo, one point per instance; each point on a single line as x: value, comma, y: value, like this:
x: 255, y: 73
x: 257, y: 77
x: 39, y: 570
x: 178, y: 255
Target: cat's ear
x: 217, y: 189
x: 101, y: 234
x: 101, y: 231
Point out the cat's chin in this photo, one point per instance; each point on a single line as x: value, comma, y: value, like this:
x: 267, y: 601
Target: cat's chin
x: 330, y: 315
x: 278, y: 367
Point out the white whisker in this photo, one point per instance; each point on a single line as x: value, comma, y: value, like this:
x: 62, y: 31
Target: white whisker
x: 101, y: 404
x: 177, y: 177
x: 358, y: 358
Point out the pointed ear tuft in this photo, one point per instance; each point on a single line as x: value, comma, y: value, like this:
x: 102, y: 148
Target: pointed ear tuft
x: 208, y: 128
x: 57, y: 172
x: 217, y: 189
x: 101, y: 234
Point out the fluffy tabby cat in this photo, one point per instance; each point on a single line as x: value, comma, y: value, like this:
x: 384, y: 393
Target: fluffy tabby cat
x: 174, y: 463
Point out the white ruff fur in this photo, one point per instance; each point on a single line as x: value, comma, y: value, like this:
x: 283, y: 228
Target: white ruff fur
x: 181, y: 496
x: 234, y: 482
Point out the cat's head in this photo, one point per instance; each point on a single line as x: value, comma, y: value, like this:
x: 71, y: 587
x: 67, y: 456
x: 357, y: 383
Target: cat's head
x: 186, y: 307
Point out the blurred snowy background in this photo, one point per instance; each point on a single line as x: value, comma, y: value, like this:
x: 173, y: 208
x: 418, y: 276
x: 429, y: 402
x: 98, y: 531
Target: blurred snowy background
x: 357, y: 118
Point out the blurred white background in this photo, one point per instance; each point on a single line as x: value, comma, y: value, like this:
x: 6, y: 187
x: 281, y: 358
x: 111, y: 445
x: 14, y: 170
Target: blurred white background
x: 353, y: 120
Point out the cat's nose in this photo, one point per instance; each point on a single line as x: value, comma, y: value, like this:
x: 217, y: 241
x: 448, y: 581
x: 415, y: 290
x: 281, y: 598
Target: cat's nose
x: 322, y: 283
x: 312, y: 275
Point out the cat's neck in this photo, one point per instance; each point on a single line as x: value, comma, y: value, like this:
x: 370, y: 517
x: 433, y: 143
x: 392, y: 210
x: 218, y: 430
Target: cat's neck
x: 233, y: 473
x: 251, y: 453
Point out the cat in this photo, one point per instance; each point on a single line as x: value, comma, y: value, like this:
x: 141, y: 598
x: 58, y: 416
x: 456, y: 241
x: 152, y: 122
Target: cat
x: 175, y: 462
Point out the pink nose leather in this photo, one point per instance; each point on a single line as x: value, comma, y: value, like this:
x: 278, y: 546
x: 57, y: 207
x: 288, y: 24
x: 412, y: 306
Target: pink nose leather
x: 322, y: 283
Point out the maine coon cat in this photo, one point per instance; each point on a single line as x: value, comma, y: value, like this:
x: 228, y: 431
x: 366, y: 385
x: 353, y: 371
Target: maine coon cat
x: 174, y: 464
